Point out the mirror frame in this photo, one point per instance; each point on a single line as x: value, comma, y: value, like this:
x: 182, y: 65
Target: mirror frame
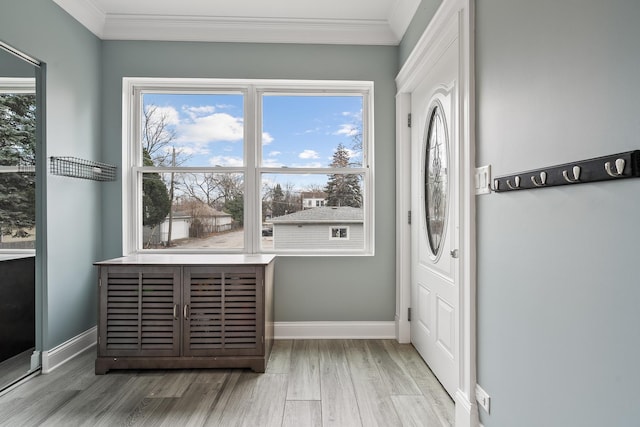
x: 41, y: 173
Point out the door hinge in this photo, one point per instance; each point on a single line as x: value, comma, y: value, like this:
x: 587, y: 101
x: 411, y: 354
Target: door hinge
x: 100, y: 282
x: 409, y: 120
x: 409, y: 218
x: 409, y: 314
x: 98, y: 339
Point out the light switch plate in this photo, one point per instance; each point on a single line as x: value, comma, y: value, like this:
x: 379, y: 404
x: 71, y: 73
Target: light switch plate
x: 483, y: 179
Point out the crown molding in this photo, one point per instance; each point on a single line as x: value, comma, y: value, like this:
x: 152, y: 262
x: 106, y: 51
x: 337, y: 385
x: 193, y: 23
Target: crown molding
x: 249, y: 30
x: 108, y: 26
x: 86, y: 12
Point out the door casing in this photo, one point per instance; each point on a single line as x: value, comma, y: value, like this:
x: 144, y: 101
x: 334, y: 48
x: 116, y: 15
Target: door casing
x: 454, y: 19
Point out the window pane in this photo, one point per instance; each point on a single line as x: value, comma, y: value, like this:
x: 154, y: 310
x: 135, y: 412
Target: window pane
x: 17, y: 177
x: 311, y: 131
x: 206, y: 211
x: 201, y: 129
x: 303, y: 212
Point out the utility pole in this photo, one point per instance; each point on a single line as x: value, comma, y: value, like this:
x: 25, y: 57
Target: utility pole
x: 173, y: 164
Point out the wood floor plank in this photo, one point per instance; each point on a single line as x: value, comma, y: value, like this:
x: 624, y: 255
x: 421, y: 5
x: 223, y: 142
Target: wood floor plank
x: 361, y: 361
x: 193, y: 408
x: 28, y: 412
x: 392, y: 372
x: 89, y: 404
x: 431, y: 388
x: 145, y: 412
x: 311, y: 383
x: 266, y: 407
x: 125, y: 402
x: 174, y: 383
x: 415, y: 411
x: 373, y: 394
x: 299, y: 413
x: 280, y: 360
x: 304, y: 375
x: 339, y: 402
x: 75, y: 375
x: 232, y: 405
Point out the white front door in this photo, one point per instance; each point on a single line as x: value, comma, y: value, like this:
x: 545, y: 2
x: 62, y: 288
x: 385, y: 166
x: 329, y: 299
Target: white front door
x: 436, y: 218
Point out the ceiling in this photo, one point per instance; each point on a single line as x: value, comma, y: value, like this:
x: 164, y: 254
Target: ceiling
x: 369, y: 22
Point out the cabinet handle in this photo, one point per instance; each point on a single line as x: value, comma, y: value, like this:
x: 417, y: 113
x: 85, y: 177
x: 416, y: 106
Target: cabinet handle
x: 186, y: 311
x: 175, y: 312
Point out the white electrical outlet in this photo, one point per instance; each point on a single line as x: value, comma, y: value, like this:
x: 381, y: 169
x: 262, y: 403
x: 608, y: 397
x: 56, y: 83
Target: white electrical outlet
x: 483, y: 399
x: 483, y: 179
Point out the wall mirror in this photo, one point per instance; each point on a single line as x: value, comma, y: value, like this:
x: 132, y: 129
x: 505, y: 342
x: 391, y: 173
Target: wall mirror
x: 20, y: 145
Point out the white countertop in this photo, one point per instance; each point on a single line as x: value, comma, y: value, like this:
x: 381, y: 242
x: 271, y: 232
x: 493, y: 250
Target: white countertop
x: 191, y: 259
x: 9, y: 257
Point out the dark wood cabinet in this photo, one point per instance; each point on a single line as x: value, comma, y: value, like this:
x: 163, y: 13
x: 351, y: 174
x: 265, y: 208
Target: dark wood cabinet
x: 185, y: 312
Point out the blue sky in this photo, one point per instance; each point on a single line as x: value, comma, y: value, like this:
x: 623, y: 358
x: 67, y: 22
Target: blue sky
x: 298, y: 131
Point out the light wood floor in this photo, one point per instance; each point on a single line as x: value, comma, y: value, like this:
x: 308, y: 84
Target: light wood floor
x: 340, y: 383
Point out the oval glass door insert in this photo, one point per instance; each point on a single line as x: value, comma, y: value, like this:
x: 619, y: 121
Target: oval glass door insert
x: 436, y: 180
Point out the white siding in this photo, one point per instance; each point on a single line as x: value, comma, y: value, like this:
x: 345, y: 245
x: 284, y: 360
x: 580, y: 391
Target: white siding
x: 316, y: 236
x: 180, y: 229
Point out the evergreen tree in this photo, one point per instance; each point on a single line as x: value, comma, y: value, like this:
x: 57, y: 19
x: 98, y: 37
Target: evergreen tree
x: 235, y: 207
x: 156, y: 202
x: 343, y: 189
x: 17, y: 148
x: 278, y: 204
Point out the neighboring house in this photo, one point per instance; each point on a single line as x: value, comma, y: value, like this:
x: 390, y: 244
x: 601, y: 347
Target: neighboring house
x: 194, y: 220
x: 313, y: 199
x: 320, y: 228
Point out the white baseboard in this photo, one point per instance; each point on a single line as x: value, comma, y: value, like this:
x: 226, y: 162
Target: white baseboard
x: 335, y: 330
x: 54, y: 358
x: 466, y: 412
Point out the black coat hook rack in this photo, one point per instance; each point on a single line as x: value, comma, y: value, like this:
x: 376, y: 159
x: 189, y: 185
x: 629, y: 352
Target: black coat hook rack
x: 605, y: 168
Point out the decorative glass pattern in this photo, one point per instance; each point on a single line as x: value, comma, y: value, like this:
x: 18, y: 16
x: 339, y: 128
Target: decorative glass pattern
x: 436, y: 180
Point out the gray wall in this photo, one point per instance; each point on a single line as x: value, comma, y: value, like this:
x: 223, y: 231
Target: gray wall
x: 419, y: 22
x: 558, y: 294
x: 70, y: 219
x: 11, y: 66
x: 307, y: 288
x: 558, y: 341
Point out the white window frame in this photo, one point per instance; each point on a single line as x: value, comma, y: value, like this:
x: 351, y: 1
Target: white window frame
x: 18, y: 85
x: 254, y: 90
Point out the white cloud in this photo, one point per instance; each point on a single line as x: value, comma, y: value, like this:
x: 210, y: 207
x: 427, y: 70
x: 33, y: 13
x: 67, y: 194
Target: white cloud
x: 274, y: 153
x: 170, y: 114
x: 226, y: 161
x: 308, y: 165
x: 195, y: 112
x: 272, y: 163
x: 211, y: 128
x: 309, y: 154
x: 266, y: 138
x: 347, y: 129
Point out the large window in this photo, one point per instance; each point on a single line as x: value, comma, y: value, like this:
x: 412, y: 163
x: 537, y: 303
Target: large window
x: 248, y: 166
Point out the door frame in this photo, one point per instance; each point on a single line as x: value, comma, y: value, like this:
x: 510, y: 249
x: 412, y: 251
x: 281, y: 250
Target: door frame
x: 454, y: 19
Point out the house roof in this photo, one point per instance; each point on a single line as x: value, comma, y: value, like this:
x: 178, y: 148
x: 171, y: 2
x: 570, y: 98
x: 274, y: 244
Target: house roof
x: 201, y: 210
x: 326, y: 214
x: 313, y: 195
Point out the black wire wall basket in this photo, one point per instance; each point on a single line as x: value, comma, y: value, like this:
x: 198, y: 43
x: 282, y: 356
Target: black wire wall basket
x: 84, y: 169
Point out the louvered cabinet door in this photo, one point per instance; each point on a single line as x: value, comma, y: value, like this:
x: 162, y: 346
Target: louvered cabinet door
x: 139, y: 311
x: 224, y: 311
